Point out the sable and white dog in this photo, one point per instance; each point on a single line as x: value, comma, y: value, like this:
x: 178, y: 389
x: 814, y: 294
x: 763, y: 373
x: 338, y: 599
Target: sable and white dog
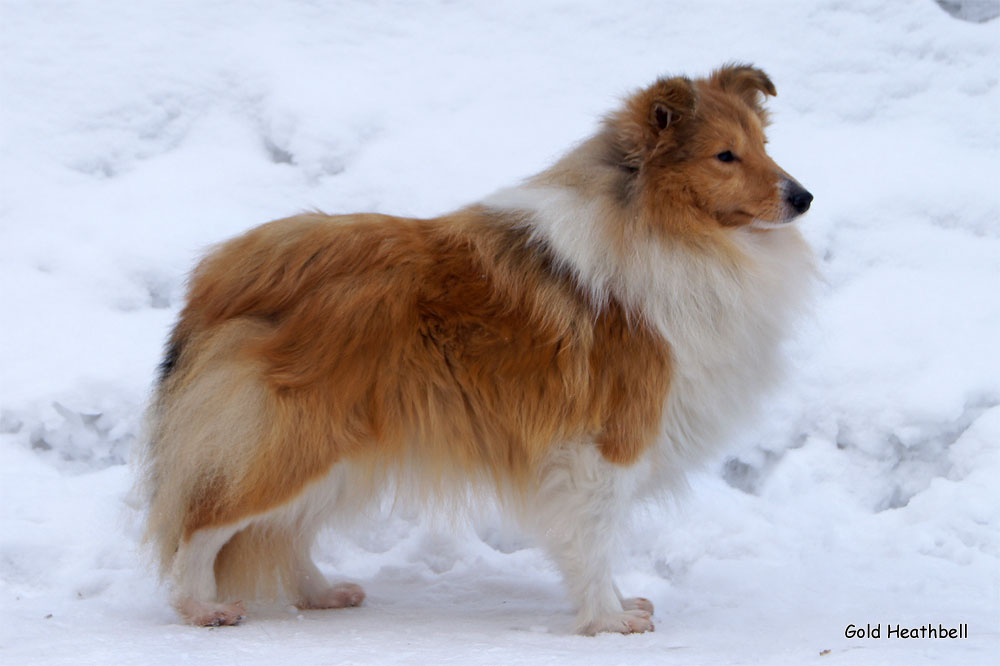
x: 566, y: 344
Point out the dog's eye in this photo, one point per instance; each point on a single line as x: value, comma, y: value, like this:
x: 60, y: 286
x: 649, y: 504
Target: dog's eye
x: 726, y: 156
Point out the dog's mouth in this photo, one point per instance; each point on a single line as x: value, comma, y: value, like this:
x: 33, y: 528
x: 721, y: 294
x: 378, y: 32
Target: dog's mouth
x: 758, y: 224
x: 736, y: 218
x: 776, y: 216
x: 789, y: 213
x: 748, y: 220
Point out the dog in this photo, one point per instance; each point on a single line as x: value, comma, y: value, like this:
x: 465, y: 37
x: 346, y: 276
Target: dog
x: 564, y: 346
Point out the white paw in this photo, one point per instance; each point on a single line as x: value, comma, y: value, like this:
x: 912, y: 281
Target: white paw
x: 210, y: 614
x: 638, y: 603
x: 341, y: 595
x: 626, y: 622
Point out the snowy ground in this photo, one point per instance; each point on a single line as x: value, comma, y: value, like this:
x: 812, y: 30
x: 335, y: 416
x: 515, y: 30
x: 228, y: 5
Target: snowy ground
x: 134, y: 134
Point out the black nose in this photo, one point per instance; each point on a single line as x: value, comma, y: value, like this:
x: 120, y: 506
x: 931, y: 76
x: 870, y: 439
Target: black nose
x: 799, y: 198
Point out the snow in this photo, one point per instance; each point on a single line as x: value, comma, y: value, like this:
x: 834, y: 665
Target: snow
x: 134, y: 135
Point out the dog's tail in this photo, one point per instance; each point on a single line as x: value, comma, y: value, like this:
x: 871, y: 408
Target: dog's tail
x: 204, y: 429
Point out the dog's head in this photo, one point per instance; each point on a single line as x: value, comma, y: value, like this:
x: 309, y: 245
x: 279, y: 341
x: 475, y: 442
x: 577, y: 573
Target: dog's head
x: 702, y: 142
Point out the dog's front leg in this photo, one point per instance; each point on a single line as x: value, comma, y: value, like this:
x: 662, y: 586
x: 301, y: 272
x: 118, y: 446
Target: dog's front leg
x: 578, y: 511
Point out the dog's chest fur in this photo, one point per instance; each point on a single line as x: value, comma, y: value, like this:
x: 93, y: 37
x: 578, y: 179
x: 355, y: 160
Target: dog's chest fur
x: 724, y: 321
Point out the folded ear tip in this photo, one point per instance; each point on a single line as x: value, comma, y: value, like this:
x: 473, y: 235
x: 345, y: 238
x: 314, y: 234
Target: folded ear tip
x: 767, y: 84
x: 743, y: 79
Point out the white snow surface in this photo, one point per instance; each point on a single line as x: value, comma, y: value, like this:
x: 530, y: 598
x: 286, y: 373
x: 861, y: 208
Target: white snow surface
x: 133, y: 135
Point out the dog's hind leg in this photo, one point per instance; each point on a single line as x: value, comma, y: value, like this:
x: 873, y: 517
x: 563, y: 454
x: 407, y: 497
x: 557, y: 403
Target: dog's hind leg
x: 308, y: 586
x: 634, y: 603
x: 578, y: 509
x: 311, y: 586
x: 314, y: 592
x: 193, y: 576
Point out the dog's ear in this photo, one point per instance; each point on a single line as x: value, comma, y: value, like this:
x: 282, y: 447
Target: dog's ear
x: 746, y: 82
x: 652, y: 120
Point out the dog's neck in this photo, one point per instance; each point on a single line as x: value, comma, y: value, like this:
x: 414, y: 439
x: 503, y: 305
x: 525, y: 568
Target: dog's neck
x: 701, y: 299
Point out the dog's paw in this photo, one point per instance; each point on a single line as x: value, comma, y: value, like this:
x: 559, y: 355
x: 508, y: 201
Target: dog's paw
x: 638, y: 603
x: 626, y: 622
x: 341, y: 595
x: 209, y: 614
